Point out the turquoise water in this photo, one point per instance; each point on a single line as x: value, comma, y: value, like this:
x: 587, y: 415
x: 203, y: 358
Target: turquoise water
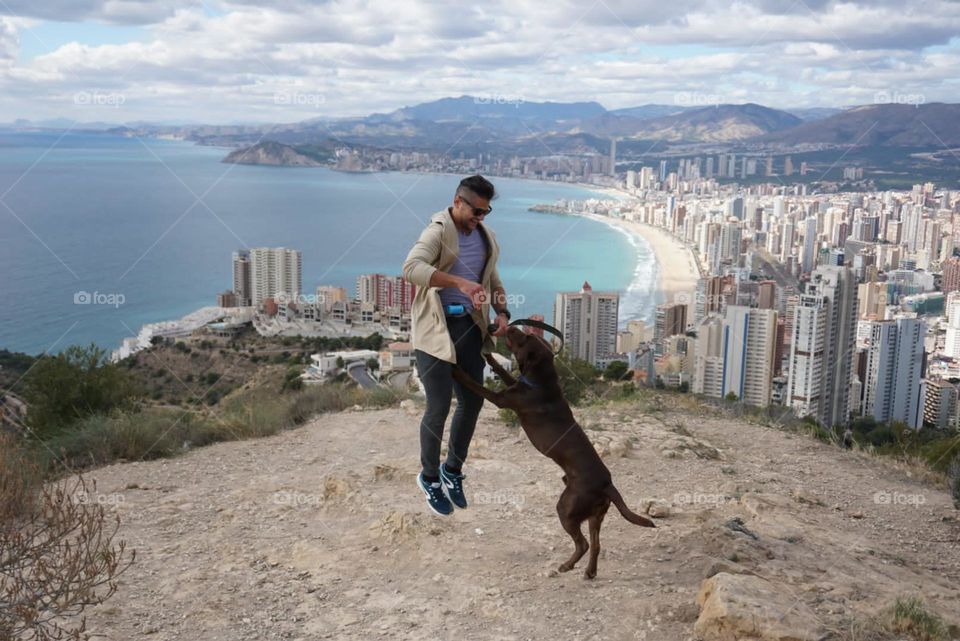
x: 150, y: 225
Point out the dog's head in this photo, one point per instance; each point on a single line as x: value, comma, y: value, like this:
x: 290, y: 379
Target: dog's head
x: 534, y: 355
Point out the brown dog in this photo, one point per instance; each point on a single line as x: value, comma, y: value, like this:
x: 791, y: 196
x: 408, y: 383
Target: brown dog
x: 546, y: 418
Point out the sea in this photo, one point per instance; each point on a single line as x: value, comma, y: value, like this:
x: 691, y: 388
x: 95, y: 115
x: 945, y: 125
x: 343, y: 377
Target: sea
x: 100, y: 234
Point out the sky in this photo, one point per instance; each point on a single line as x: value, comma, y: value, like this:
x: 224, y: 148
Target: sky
x: 235, y: 61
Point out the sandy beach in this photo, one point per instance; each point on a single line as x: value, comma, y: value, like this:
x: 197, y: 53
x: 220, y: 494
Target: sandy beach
x: 676, y: 265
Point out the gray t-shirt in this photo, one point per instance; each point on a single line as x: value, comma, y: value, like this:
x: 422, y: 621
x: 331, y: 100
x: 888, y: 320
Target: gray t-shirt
x: 469, y: 264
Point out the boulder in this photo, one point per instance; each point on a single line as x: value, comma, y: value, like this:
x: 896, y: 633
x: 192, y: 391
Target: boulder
x: 741, y: 607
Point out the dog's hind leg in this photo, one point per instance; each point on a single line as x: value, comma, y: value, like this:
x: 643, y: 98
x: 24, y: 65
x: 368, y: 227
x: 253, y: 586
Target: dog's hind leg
x: 566, y: 510
x: 595, y: 522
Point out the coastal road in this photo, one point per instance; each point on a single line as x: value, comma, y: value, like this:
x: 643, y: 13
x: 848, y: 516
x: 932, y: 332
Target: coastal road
x: 358, y: 372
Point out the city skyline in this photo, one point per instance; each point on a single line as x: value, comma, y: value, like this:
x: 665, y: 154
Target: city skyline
x: 228, y: 61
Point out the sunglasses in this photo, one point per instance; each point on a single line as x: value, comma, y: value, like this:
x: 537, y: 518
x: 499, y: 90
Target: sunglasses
x: 477, y: 211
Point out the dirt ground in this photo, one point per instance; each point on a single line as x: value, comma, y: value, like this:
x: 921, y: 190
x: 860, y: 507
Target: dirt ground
x: 322, y: 533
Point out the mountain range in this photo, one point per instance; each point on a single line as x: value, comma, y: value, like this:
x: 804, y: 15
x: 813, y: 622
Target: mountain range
x: 492, y: 124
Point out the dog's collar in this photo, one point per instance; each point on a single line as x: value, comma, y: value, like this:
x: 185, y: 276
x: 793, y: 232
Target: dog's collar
x: 526, y: 381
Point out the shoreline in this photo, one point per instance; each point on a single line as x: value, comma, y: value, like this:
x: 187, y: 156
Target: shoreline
x: 677, y: 270
x: 662, y: 258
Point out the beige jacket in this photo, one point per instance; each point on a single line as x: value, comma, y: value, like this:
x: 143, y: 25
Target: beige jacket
x: 437, y: 248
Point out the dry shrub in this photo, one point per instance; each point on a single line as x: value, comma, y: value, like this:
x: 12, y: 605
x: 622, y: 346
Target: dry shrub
x: 57, y: 551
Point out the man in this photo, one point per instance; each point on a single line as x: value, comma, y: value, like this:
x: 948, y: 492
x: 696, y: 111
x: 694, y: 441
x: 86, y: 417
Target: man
x: 454, y: 266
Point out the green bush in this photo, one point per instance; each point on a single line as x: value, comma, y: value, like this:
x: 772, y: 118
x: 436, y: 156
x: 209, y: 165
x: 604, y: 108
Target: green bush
x: 576, y: 376
x: 616, y: 371
x: 292, y: 380
x: 131, y: 436
x: 626, y: 391
x: 161, y: 432
x: 80, y: 381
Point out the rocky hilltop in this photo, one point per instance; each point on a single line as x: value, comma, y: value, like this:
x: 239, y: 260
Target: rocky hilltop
x: 271, y: 153
x: 321, y: 533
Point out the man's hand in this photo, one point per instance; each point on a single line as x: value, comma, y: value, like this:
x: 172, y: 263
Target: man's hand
x: 502, y: 325
x: 475, y: 291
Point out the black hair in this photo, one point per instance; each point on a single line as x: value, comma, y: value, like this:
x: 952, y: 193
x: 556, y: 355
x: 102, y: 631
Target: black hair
x: 478, y: 185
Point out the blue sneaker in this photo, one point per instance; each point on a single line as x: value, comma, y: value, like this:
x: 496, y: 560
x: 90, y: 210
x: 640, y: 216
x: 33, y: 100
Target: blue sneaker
x: 436, y: 499
x: 453, y: 486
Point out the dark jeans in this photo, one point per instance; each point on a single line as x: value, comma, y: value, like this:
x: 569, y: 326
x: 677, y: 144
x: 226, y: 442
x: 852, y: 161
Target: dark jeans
x: 438, y: 383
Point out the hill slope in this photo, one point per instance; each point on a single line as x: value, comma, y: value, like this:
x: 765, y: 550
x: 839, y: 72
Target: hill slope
x: 321, y: 533
x: 721, y: 123
x: 927, y: 125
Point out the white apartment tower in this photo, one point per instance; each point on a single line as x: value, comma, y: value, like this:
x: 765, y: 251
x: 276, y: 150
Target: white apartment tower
x: 273, y: 271
x: 749, y: 348
x: 708, y: 357
x: 952, y: 347
x: 809, y: 244
x: 822, y: 346
x: 588, y: 320
x: 892, y: 390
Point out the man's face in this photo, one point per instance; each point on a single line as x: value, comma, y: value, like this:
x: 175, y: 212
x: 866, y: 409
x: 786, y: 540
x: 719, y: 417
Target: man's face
x: 469, y: 209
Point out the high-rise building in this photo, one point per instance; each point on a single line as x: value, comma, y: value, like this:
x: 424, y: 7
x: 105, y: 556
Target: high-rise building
x: 275, y: 271
x: 786, y: 242
x: 385, y: 291
x: 872, y: 300
x: 749, y: 348
x: 241, y: 278
x: 671, y: 320
x: 822, y: 346
x: 767, y: 294
x: 227, y: 299
x: 613, y: 156
x: 730, y: 239
x: 631, y: 339
x: 891, y: 390
x: 951, y: 275
x: 588, y: 320
x: 735, y: 208
x: 646, y: 177
x: 327, y: 295
x: 952, y: 312
x: 708, y: 357
x: 939, y: 403
x: 809, y: 244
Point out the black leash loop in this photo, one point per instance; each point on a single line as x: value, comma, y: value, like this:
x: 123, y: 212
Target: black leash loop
x: 529, y: 322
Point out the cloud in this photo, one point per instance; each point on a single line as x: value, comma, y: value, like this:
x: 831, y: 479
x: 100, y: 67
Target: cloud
x: 9, y: 40
x: 113, y: 11
x: 229, y: 60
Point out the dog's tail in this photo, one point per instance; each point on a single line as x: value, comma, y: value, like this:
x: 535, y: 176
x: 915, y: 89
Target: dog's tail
x: 614, y: 495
